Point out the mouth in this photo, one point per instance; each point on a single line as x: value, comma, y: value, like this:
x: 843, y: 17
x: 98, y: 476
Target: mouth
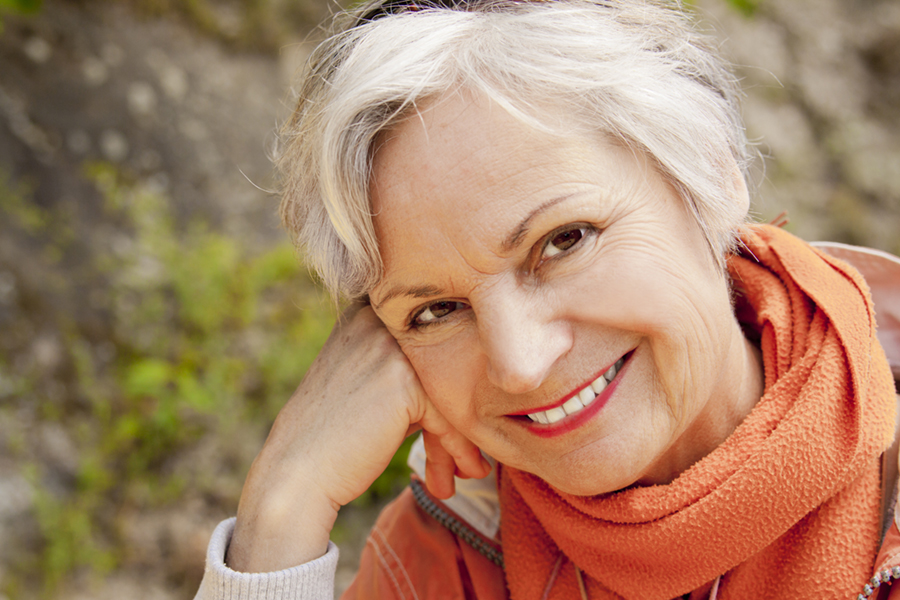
x: 578, y: 406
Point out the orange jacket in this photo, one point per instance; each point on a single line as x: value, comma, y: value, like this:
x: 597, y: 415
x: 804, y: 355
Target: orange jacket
x: 409, y: 554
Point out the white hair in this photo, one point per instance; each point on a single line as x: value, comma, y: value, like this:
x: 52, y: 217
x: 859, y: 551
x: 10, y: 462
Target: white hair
x: 636, y: 70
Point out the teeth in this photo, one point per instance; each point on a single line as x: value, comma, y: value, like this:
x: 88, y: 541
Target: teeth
x: 598, y: 385
x: 555, y: 414
x: 573, y: 405
x: 585, y: 396
x: 579, y: 401
x: 539, y: 417
x: 611, y: 373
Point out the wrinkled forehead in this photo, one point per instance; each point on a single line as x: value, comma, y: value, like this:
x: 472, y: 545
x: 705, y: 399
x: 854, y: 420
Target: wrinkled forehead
x: 465, y: 179
x: 465, y: 141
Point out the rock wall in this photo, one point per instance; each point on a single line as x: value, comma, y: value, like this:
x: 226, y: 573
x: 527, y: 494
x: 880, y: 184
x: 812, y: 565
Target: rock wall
x: 175, y: 114
x: 822, y: 79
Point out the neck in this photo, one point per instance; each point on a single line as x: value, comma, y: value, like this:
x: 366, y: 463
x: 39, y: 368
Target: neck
x: 740, y: 386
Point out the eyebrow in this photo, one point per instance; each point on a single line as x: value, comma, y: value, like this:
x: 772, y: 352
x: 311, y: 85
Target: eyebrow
x: 515, y: 238
x: 420, y: 291
x: 512, y: 241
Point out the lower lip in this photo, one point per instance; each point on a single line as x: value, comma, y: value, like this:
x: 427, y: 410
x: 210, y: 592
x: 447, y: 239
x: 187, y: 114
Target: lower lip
x: 575, y: 421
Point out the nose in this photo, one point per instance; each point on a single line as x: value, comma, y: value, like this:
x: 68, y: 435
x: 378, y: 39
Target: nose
x: 522, y: 338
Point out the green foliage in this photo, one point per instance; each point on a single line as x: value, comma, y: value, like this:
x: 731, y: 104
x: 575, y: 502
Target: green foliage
x: 747, y: 8
x: 264, y: 25
x: 187, y: 306
x: 22, y: 7
x: 70, y: 532
x: 205, y: 340
x: 16, y: 206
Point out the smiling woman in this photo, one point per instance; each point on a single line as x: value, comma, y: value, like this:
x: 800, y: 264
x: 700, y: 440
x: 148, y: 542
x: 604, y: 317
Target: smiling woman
x: 546, y: 260
x: 538, y: 209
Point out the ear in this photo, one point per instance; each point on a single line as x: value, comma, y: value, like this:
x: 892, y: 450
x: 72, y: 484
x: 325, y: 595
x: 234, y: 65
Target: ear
x: 739, y: 189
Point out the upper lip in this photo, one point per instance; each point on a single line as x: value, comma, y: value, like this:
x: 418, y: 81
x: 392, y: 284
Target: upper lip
x: 568, y: 396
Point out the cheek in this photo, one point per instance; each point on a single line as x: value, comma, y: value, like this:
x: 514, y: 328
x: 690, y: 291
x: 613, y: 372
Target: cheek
x: 651, y: 285
x: 447, y: 372
x: 671, y: 297
x: 633, y: 295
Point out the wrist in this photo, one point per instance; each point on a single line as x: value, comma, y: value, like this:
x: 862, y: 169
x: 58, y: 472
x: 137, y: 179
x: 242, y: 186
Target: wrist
x: 277, y: 531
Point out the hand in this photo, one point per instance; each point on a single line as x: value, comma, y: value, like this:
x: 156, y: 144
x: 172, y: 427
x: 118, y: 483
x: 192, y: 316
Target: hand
x: 333, y: 438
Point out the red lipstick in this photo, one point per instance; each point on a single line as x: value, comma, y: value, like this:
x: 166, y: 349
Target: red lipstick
x: 572, y: 422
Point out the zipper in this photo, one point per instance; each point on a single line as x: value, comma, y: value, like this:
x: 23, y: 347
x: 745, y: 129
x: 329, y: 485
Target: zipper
x: 884, y: 576
x: 462, y: 531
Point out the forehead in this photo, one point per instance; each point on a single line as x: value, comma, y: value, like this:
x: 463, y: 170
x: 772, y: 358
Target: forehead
x: 462, y: 171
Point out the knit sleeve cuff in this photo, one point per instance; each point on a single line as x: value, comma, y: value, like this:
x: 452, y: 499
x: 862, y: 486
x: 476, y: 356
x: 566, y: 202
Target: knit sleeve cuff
x: 310, y: 581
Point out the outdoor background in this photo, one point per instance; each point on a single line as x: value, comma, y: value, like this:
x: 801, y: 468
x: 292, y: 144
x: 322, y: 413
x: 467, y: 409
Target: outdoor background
x: 153, y: 318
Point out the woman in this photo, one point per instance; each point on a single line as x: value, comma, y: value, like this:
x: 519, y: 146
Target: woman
x: 540, y: 209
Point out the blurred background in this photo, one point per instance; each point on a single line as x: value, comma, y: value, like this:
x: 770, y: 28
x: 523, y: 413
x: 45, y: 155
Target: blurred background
x: 153, y: 316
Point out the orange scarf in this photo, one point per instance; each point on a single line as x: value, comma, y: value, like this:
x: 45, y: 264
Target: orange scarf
x: 787, y: 507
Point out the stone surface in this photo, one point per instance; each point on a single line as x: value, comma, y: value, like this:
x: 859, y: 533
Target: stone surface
x: 822, y: 79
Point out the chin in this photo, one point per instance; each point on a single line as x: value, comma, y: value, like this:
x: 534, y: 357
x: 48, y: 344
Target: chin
x: 586, y: 481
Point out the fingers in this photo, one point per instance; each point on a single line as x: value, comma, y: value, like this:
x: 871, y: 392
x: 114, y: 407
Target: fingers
x: 439, y: 468
x: 449, y: 454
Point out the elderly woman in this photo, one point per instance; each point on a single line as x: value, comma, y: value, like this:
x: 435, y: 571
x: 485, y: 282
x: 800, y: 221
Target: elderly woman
x: 539, y: 209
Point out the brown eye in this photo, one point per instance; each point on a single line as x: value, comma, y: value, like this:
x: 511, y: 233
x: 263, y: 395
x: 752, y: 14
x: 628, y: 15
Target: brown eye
x: 436, y: 311
x: 562, y: 241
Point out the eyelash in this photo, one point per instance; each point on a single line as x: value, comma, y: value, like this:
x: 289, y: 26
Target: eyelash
x: 415, y: 325
x: 586, y: 231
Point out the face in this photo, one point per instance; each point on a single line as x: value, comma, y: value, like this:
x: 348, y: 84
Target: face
x: 520, y: 266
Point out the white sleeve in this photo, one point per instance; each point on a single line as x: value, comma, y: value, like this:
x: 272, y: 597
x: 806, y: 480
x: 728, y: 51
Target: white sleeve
x: 310, y: 581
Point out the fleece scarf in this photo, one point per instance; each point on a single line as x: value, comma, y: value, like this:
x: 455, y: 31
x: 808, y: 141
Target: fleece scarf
x: 787, y: 507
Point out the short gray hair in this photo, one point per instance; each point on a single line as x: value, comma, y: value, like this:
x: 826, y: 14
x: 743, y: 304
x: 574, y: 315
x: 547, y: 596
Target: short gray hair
x: 636, y: 70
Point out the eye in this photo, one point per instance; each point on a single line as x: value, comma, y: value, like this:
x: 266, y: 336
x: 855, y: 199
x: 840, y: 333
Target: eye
x: 435, y: 312
x: 560, y: 241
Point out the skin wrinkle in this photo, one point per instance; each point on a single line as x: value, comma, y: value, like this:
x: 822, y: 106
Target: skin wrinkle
x: 421, y: 291
x: 640, y: 280
x: 514, y: 239
x: 396, y: 292
x: 508, y: 245
x: 377, y: 190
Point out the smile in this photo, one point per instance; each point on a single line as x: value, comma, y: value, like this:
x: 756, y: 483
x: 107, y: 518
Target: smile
x: 580, y: 400
x: 579, y: 406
